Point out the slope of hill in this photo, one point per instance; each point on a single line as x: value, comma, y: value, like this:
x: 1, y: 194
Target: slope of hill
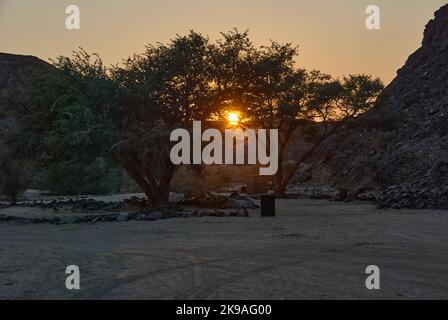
x: 14, y: 70
x: 405, y: 154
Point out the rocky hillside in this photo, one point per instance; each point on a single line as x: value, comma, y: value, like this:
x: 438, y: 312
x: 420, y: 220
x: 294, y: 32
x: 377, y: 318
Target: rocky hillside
x: 401, y: 146
x: 14, y: 70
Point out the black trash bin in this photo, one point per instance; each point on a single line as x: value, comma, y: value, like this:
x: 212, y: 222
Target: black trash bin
x: 267, y: 205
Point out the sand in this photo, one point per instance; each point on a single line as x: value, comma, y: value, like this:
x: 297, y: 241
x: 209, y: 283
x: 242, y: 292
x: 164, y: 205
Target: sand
x: 312, y: 250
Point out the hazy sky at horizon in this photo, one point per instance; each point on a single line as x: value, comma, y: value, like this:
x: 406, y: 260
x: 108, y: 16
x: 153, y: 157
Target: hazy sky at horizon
x: 330, y: 33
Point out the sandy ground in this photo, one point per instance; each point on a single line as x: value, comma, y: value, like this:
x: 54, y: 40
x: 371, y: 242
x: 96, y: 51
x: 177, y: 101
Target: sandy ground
x: 312, y: 250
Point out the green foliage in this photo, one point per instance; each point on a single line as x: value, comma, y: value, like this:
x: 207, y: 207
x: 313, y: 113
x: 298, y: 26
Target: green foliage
x: 67, y: 123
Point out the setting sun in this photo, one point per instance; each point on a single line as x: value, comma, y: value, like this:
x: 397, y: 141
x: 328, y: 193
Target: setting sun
x: 233, y: 118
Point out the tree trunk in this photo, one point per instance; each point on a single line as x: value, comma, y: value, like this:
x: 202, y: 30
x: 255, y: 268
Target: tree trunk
x: 165, y: 181
x: 13, y: 199
x: 279, y: 181
x: 156, y: 192
x: 285, y: 181
x: 280, y: 189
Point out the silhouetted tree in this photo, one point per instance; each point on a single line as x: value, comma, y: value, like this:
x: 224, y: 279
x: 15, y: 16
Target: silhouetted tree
x: 166, y: 87
x: 270, y: 92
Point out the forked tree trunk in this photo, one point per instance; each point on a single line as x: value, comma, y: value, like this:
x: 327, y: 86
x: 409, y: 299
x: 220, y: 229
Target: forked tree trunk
x: 280, y: 184
x: 280, y: 190
x: 280, y: 187
x: 282, y: 181
x: 157, y: 192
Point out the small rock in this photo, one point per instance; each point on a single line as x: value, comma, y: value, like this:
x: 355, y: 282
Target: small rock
x: 123, y: 216
x: 140, y: 217
x: 70, y: 220
x: 97, y: 219
x: 170, y: 213
x: 240, y: 202
x: 155, y: 215
x: 242, y: 213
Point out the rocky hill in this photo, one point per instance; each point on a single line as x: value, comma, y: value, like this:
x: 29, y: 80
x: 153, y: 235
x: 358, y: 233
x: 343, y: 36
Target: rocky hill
x: 401, y: 146
x: 14, y: 70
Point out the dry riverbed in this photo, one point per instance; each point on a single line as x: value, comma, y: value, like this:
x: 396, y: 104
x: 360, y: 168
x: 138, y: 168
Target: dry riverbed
x: 312, y: 250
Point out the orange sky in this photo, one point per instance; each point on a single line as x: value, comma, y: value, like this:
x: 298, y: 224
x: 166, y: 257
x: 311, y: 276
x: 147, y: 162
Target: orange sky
x: 331, y: 33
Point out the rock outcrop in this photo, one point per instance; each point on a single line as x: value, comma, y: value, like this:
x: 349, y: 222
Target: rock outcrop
x: 14, y: 71
x: 402, y: 142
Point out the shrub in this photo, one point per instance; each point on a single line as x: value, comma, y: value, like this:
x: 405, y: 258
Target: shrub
x: 12, y: 176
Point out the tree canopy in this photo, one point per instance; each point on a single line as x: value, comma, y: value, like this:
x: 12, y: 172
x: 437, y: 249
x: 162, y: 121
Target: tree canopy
x: 85, y: 113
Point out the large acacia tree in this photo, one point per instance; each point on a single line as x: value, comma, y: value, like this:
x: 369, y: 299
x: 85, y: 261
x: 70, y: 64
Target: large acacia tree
x: 166, y: 87
x: 270, y: 92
